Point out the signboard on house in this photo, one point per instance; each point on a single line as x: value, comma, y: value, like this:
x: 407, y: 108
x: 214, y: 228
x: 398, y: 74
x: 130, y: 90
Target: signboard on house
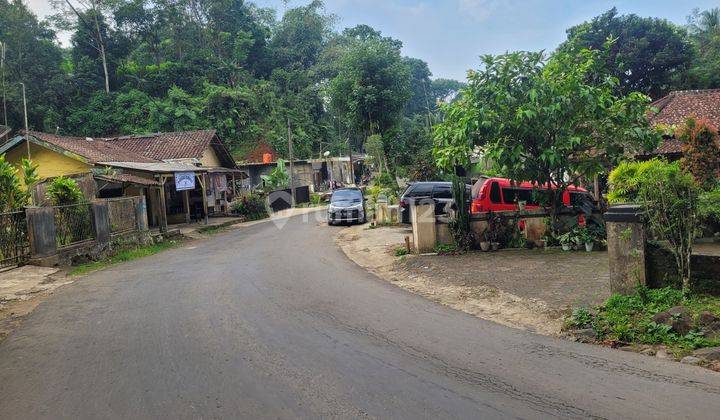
x: 184, y: 181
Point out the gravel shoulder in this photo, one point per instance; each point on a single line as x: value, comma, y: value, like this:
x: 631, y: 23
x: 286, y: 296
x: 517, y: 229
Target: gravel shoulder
x: 530, y: 290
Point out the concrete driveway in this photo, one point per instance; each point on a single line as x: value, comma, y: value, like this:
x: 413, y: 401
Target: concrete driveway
x: 263, y: 322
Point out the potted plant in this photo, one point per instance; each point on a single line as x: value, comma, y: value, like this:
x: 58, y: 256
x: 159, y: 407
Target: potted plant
x: 587, y: 237
x: 566, y: 240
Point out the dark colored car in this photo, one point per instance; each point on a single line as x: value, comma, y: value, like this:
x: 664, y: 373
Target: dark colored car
x: 346, y: 205
x: 438, y: 191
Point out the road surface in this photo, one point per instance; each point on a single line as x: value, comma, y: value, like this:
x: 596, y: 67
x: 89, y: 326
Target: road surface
x: 262, y: 322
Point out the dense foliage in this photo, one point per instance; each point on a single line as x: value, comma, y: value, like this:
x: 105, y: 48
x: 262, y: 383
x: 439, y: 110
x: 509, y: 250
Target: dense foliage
x: 701, y: 151
x: 669, y: 197
x: 62, y: 191
x: 544, y: 120
x: 630, y: 319
x: 137, y: 66
x: 16, y: 192
x: 649, y: 55
x: 253, y: 206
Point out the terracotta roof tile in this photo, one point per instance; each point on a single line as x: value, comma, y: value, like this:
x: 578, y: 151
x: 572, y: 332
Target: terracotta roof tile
x: 677, y: 106
x: 94, y: 150
x: 167, y: 146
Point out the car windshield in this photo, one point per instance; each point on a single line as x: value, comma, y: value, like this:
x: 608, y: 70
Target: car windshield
x: 347, y: 195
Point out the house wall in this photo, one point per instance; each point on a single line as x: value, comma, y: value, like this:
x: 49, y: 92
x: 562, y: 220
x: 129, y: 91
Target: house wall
x: 210, y: 158
x: 50, y: 163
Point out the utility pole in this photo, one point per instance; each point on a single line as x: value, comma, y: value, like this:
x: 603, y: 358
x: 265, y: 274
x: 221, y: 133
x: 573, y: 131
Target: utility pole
x: 27, y: 131
x: 292, y: 168
x: 352, y: 169
x: 2, y: 70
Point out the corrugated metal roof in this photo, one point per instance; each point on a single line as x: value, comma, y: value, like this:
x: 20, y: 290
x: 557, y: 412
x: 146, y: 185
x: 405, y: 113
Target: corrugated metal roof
x: 157, y: 167
x: 127, y: 179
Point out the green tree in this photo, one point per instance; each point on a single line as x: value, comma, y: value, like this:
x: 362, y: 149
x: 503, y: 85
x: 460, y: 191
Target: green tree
x: 32, y: 57
x: 650, y: 55
x: 669, y: 197
x: 701, y: 151
x: 704, y: 29
x: 543, y: 121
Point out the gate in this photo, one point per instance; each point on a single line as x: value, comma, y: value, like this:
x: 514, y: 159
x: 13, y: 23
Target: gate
x: 14, y: 242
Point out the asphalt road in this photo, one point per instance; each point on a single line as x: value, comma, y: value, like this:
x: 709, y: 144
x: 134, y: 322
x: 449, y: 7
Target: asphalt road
x: 262, y: 322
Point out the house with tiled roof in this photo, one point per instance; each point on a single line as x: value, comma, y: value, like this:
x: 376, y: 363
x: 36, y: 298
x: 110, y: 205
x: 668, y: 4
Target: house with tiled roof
x: 673, y: 110
x: 138, y: 165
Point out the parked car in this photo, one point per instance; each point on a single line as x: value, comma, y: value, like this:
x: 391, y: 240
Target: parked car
x: 346, y: 205
x: 501, y: 194
x: 440, y: 192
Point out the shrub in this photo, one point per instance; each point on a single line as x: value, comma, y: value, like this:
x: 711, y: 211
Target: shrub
x: 12, y: 195
x: 278, y: 178
x: 64, y: 191
x: 669, y: 197
x: 709, y: 204
x: 630, y: 318
x: 252, y: 206
x: 400, y: 251
x: 701, y: 151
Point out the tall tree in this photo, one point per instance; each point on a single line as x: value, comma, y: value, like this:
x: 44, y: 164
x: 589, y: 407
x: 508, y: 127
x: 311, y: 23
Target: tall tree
x: 650, y: 55
x: 543, y: 121
x: 372, y: 86
x: 704, y: 30
x: 86, y: 17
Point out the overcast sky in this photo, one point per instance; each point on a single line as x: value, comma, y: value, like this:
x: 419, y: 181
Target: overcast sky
x: 451, y: 34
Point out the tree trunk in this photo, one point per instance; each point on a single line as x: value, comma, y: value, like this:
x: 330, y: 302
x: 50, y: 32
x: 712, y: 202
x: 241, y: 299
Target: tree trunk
x: 102, y: 52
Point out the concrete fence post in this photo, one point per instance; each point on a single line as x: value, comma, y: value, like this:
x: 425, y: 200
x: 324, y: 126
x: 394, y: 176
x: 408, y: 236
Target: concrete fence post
x: 422, y: 216
x: 141, y: 217
x: 626, y: 247
x: 41, y: 231
x: 101, y: 221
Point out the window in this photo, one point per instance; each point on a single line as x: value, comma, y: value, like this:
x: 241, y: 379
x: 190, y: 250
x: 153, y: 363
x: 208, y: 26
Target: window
x: 442, y: 191
x: 580, y: 199
x: 513, y: 195
x: 421, y: 190
x: 495, y: 193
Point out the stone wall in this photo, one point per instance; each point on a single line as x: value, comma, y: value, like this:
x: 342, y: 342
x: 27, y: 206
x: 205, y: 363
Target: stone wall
x: 534, y: 221
x: 46, y: 252
x: 122, y: 214
x: 662, y: 270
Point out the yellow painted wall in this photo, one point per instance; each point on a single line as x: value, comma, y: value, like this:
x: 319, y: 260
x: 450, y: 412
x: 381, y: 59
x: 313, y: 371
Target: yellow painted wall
x: 209, y: 158
x: 50, y: 163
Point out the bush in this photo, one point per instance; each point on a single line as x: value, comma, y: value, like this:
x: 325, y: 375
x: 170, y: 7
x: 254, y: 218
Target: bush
x: 701, y: 151
x: 64, y: 191
x: 709, y: 204
x: 669, y: 197
x: 252, y: 206
x: 630, y: 318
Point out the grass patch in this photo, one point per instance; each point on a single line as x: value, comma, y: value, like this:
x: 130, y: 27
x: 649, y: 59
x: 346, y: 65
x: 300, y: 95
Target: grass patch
x: 211, y: 230
x: 446, y: 249
x: 629, y: 319
x: 399, y: 252
x: 122, y: 256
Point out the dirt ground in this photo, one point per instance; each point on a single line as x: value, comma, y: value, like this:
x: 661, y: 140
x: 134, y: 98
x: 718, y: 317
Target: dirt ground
x: 531, y: 290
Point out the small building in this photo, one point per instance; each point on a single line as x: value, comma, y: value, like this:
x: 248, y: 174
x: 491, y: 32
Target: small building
x: 149, y: 165
x: 673, y: 111
x: 315, y: 173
